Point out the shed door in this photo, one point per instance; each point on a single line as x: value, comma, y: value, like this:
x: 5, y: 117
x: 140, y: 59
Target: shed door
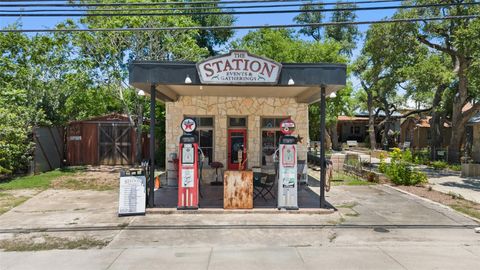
x: 115, y: 143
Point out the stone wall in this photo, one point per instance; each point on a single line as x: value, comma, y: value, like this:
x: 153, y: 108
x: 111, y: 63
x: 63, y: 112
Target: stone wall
x: 220, y: 108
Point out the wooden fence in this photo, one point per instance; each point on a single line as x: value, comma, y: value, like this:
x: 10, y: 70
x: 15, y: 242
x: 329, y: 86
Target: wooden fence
x: 49, y: 148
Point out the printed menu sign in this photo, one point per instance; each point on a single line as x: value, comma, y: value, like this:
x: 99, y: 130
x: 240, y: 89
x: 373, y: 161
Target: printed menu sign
x: 132, y: 195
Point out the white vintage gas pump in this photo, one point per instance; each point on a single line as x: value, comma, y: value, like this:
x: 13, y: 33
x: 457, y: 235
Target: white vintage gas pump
x: 287, y: 167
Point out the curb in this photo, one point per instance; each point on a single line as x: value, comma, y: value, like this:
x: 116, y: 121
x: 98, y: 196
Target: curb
x: 274, y: 211
x: 432, y: 202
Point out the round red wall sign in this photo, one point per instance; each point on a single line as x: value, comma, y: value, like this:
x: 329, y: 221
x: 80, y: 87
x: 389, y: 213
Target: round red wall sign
x: 287, y: 126
x: 188, y: 125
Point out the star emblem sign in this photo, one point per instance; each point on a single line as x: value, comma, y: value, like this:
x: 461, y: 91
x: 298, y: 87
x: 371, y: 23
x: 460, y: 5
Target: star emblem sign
x: 188, y: 125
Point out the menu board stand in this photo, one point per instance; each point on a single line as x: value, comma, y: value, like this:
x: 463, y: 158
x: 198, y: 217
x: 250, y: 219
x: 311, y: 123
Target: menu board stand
x: 132, y: 195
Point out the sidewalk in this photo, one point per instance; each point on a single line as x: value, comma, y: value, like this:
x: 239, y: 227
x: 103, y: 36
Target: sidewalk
x: 468, y: 188
x: 324, y: 257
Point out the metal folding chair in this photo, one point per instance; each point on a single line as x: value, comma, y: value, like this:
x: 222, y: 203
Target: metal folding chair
x: 264, y: 189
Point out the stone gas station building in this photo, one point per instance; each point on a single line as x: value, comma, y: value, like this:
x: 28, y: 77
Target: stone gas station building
x: 237, y: 99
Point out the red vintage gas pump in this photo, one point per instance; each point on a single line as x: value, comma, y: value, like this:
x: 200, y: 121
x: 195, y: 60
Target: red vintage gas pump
x: 188, y: 167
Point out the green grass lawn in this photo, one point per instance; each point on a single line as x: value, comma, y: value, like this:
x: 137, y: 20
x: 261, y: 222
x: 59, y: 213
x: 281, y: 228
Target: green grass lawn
x: 467, y: 209
x: 8, y: 198
x: 39, y: 181
x: 340, y: 178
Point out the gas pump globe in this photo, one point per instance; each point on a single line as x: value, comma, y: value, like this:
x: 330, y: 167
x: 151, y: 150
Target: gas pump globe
x: 287, y: 167
x: 188, y: 167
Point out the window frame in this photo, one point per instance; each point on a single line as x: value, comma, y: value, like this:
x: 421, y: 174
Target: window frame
x: 205, y: 128
x: 273, y: 129
x: 237, y: 127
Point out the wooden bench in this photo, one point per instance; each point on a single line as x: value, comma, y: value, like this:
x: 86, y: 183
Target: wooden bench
x: 406, y: 145
x: 352, y: 144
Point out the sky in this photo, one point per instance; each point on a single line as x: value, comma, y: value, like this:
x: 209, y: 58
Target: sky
x: 253, y: 19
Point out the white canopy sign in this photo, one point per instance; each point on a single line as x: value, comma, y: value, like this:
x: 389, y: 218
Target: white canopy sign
x: 238, y: 67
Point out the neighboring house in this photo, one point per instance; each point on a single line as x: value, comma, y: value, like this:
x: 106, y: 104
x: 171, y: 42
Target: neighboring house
x: 356, y: 127
x: 416, y: 131
x: 473, y: 137
x: 352, y: 128
x: 471, y: 165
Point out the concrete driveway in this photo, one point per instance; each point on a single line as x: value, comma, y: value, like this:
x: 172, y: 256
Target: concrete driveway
x: 375, y: 227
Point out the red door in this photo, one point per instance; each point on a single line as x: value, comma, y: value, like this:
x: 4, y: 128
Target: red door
x: 237, y: 148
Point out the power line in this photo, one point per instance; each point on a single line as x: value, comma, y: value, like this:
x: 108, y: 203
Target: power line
x: 204, y: 8
x: 220, y: 2
x: 116, y: 14
x: 406, y: 20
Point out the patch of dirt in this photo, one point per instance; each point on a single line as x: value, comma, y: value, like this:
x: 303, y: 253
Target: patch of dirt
x: 21, y: 192
x: 429, y: 194
x: 92, y: 180
x: 12, y: 198
x: 453, y: 200
x: 106, y: 169
x: 46, y: 242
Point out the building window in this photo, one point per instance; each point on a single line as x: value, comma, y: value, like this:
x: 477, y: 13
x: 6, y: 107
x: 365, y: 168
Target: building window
x: 270, y: 136
x: 357, y: 130
x: 204, y: 134
x: 272, y: 122
x: 237, y: 122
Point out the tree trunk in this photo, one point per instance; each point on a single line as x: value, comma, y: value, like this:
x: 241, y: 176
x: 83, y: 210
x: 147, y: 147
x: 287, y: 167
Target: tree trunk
x: 371, y: 121
x: 435, y: 134
x: 328, y: 140
x: 386, y: 129
x: 458, y: 118
x: 436, y: 123
x: 334, y: 136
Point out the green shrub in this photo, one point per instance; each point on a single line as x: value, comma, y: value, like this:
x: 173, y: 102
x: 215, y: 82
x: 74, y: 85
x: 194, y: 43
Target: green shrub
x: 400, y: 172
x: 455, y: 167
x: 407, y: 155
x: 383, y: 165
x: 438, y: 165
x: 421, y: 157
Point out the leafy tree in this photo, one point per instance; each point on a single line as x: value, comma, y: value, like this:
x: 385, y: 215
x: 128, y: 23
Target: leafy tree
x: 311, y: 13
x: 456, y: 40
x: 347, y: 35
x: 377, y: 70
x: 212, y: 38
x: 110, y: 53
x: 19, y: 111
x: 391, y: 63
x: 37, y: 77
